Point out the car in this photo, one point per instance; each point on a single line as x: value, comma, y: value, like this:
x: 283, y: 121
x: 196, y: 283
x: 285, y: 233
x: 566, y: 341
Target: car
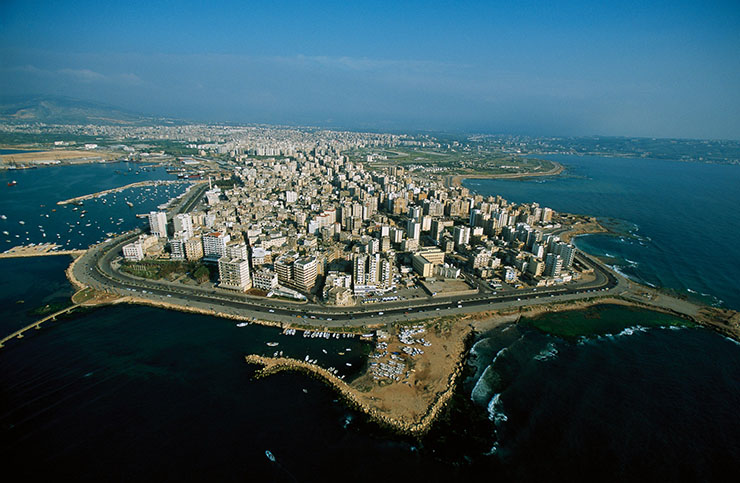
x: 271, y: 311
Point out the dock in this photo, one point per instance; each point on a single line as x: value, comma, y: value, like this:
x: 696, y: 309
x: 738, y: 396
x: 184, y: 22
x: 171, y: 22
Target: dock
x: 43, y: 249
x: 18, y: 334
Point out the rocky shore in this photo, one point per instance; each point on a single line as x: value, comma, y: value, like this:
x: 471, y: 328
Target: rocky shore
x: 397, y: 417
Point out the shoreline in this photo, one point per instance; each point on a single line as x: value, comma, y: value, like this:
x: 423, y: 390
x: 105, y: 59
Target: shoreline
x: 456, y: 179
x: 412, y: 406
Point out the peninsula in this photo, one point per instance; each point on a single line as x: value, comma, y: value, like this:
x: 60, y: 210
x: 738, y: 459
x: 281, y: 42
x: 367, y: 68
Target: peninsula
x: 324, y: 232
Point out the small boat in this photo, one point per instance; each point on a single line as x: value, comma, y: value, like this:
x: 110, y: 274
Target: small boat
x: 269, y: 455
x: 272, y: 344
x: 12, y: 183
x: 242, y: 324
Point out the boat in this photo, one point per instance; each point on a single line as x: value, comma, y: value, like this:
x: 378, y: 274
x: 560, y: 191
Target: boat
x: 12, y: 183
x: 272, y: 344
x: 242, y: 324
x: 130, y: 205
x: 269, y: 455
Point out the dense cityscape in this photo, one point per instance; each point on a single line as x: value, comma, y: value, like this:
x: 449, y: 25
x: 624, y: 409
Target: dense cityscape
x: 318, y: 225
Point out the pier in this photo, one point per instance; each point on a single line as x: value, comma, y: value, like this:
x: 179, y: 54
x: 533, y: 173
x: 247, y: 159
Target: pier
x: 18, y: 334
x: 43, y: 249
x: 138, y: 184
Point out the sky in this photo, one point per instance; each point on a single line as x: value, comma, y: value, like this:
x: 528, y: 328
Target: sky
x: 567, y: 68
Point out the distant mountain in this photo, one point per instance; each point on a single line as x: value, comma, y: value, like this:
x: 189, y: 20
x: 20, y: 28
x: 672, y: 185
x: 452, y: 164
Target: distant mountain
x: 65, y: 110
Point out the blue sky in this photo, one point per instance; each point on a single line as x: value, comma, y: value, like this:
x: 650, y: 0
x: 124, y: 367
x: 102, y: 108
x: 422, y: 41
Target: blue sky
x: 663, y: 69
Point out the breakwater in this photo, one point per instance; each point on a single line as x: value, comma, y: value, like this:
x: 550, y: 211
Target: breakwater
x: 369, y: 402
x: 138, y: 184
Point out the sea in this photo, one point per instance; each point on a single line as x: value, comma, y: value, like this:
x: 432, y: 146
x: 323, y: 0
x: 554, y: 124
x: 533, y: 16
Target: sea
x: 144, y: 394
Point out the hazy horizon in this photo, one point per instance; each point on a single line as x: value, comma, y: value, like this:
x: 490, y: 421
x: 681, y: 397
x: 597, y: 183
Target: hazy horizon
x: 573, y: 69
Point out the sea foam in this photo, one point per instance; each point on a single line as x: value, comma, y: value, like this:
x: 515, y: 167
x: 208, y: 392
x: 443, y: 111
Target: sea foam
x: 548, y: 352
x: 496, y: 410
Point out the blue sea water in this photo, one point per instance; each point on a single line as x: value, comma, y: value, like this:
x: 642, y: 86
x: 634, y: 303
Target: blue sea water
x: 677, y: 220
x: 136, y: 393
x: 29, y: 212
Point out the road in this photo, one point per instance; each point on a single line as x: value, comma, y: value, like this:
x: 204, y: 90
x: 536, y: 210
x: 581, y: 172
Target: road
x: 95, y: 269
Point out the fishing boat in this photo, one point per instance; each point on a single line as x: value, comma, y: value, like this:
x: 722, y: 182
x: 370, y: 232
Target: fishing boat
x: 272, y: 344
x: 12, y: 183
x: 269, y: 455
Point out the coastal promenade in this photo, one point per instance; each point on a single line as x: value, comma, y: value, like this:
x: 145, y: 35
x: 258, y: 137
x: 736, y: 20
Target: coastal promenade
x: 95, y: 269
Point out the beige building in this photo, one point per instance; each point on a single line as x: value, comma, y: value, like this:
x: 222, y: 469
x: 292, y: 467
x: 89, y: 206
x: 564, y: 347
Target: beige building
x: 233, y: 273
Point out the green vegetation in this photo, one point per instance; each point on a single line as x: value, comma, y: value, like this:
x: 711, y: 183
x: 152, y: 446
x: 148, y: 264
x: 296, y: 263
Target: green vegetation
x: 451, y: 160
x: 50, y: 308
x: 202, y: 274
x: 167, y: 269
x: 601, y: 320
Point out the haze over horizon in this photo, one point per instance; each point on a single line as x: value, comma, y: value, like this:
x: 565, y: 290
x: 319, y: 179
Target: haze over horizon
x: 665, y: 69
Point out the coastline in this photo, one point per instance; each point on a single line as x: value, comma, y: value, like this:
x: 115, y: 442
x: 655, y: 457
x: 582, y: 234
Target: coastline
x: 410, y: 408
x: 456, y: 180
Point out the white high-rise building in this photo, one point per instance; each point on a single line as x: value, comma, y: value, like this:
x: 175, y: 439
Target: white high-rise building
x: 158, y: 223
x: 413, y: 230
x: 305, y: 271
x: 265, y: 279
x: 183, y: 224
x: 237, y: 250
x: 233, y: 273
x: 177, y: 249
x: 461, y: 235
x: 214, y: 244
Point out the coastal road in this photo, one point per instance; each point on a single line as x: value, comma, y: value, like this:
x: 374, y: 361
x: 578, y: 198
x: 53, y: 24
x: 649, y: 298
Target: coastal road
x: 95, y: 269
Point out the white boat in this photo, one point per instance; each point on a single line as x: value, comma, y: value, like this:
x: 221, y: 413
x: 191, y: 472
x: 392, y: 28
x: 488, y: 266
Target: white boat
x: 242, y: 324
x: 272, y: 344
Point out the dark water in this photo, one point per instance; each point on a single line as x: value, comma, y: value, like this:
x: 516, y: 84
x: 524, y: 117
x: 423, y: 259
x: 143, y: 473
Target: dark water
x: 135, y: 393
x: 677, y: 219
x: 17, y: 151
x: 638, y: 404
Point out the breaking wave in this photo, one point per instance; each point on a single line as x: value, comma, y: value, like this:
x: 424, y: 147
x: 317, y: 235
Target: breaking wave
x: 496, y: 410
x: 548, y: 352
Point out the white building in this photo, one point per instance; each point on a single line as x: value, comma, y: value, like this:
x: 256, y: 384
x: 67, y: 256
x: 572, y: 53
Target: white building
x: 305, y: 271
x: 237, y: 250
x: 265, y: 279
x: 133, y: 252
x: 158, y: 223
x: 183, y: 223
x: 214, y: 244
x: 177, y: 249
x: 233, y: 273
